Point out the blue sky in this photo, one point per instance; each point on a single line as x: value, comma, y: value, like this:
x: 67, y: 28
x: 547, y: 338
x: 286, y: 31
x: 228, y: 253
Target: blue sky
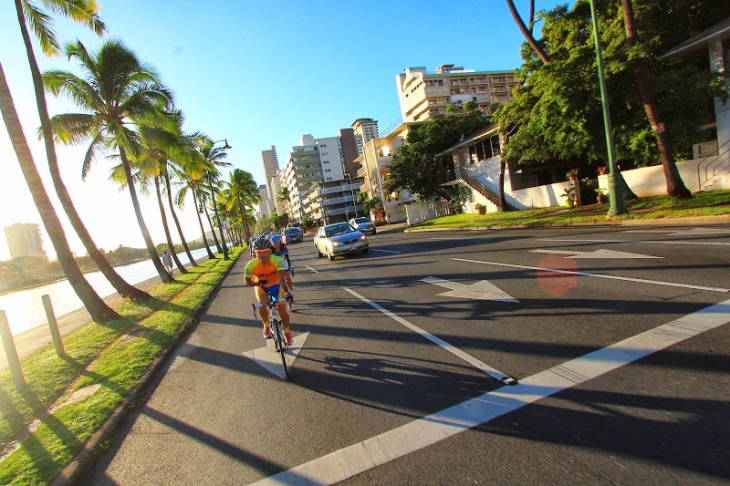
x: 255, y: 73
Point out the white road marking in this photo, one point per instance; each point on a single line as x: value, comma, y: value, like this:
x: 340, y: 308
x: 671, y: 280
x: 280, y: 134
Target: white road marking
x: 384, y: 251
x: 482, y: 290
x: 693, y: 231
x: 388, y: 446
x: 598, y: 275
x: 651, y: 242
x: 270, y: 360
x: 435, y: 238
x: 494, y: 373
x: 602, y: 254
x: 310, y: 268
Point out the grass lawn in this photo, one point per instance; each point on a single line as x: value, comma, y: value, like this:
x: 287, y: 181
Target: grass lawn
x: 701, y: 204
x: 68, y: 399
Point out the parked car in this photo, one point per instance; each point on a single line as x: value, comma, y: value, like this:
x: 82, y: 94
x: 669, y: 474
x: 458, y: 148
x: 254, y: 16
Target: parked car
x: 364, y: 225
x: 293, y: 235
x: 338, y: 239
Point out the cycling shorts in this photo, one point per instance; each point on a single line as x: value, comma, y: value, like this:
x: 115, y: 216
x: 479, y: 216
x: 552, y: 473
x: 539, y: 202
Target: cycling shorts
x: 275, y: 290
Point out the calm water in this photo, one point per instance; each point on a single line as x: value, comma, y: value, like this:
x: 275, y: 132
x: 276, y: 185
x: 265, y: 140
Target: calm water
x: 25, y: 308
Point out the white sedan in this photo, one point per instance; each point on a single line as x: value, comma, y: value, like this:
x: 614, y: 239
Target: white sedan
x: 338, y: 239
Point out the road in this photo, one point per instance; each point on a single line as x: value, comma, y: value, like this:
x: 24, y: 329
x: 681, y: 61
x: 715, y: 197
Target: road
x: 616, y: 337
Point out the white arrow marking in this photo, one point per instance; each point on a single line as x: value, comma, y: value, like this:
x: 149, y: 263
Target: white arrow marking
x: 493, y: 372
x: 482, y: 290
x: 602, y: 254
x: 270, y: 359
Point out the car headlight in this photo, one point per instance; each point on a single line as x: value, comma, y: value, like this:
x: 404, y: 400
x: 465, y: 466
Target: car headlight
x: 363, y: 237
x: 336, y: 243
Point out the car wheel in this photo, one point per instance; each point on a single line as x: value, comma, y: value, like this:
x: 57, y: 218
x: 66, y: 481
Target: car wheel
x: 319, y: 254
x: 365, y: 250
x: 374, y: 231
x: 330, y: 255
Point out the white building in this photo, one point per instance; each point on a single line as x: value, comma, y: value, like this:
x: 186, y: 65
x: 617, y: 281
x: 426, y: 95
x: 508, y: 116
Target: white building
x: 270, y: 163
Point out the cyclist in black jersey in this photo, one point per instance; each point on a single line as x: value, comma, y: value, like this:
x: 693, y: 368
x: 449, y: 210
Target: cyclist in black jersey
x: 279, y: 249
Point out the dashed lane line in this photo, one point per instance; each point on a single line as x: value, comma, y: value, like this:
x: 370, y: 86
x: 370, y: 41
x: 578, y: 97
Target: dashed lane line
x: 598, y: 275
x: 493, y: 372
x: 310, y: 268
x: 651, y: 242
x: 385, y: 251
x: 419, y: 434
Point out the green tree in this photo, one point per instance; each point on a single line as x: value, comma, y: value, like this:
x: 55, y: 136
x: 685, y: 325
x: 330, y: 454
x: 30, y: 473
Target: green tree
x: 243, y: 192
x: 118, y: 93
x: 556, y: 113
x: 416, y: 165
x: 84, y: 12
x: 213, y: 158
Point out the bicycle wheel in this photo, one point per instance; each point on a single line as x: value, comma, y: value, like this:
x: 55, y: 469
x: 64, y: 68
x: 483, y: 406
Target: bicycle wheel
x: 281, y: 345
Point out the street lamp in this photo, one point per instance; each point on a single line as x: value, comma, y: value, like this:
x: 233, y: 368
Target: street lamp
x: 352, y: 192
x: 215, y: 206
x: 616, y: 203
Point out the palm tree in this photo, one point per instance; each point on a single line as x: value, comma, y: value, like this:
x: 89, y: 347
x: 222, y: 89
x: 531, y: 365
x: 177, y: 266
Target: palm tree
x: 244, y: 192
x: 84, y: 12
x: 118, y: 93
x: 213, y: 158
x: 283, y: 197
x: 192, y: 180
x: 97, y: 308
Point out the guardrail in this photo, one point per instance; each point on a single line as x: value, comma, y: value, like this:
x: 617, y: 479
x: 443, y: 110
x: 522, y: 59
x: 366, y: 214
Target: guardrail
x: 714, y: 165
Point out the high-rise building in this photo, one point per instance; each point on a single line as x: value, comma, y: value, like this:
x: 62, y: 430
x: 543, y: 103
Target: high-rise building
x: 423, y: 95
x: 24, y: 240
x: 267, y: 204
x: 271, y: 167
x: 365, y: 129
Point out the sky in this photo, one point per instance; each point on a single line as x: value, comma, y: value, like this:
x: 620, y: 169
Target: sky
x: 254, y: 73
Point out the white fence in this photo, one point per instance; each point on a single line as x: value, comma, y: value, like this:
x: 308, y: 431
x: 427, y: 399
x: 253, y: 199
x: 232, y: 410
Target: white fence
x: 423, y: 211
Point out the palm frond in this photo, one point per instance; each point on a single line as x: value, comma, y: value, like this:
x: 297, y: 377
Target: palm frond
x: 42, y: 26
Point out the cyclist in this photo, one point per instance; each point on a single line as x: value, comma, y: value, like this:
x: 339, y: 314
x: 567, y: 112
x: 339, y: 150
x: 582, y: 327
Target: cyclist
x: 266, y: 273
x: 279, y: 249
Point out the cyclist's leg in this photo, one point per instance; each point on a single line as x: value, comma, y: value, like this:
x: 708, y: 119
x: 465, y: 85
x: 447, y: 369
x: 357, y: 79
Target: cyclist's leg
x: 283, y: 313
x: 261, y: 297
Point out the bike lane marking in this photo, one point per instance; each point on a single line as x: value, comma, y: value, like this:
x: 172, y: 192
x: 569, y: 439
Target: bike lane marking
x: 493, y: 372
x: 419, y: 434
x: 269, y: 359
x: 598, y: 275
x: 652, y: 242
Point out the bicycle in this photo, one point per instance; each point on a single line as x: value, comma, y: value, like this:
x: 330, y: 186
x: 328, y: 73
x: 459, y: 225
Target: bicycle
x: 277, y: 329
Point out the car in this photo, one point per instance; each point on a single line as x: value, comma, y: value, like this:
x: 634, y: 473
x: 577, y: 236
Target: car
x: 294, y: 224
x: 293, y: 235
x: 339, y: 239
x: 364, y: 225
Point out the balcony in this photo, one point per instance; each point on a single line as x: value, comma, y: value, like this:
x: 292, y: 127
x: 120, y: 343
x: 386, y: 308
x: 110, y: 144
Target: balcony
x: 305, y: 160
x: 305, y: 170
x: 302, y: 151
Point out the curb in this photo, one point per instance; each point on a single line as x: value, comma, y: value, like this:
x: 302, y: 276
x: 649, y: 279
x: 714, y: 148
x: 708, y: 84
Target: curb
x: 688, y: 221
x: 73, y: 470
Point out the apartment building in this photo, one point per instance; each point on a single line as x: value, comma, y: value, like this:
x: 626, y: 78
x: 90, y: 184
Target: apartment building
x: 365, y: 129
x: 423, y: 95
x: 270, y: 163
x: 320, y: 162
x: 266, y: 206
x: 24, y: 239
x: 377, y: 156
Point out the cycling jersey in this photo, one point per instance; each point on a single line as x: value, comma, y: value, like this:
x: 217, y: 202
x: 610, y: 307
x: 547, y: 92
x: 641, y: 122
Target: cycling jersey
x: 282, y: 252
x: 265, y: 271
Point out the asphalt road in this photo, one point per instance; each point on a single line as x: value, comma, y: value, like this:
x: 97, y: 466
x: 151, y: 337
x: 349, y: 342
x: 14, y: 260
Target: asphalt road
x: 616, y: 337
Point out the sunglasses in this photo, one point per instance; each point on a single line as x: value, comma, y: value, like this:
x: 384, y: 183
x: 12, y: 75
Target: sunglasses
x: 262, y: 252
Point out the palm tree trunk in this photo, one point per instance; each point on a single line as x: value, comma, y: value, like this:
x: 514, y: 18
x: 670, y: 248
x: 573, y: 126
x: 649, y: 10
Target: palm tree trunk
x: 212, y: 230
x: 675, y: 185
x: 122, y: 287
x: 242, y: 208
x: 170, y: 245
x: 202, y: 229
x: 164, y: 276
x: 527, y: 33
x: 97, y: 308
x: 177, y: 222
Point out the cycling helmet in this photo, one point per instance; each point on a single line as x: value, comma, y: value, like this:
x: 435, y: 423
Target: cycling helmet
x: 261, y: 243
x: 275, y: 239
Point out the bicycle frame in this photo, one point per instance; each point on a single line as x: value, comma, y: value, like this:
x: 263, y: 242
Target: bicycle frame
x: 276, y: 329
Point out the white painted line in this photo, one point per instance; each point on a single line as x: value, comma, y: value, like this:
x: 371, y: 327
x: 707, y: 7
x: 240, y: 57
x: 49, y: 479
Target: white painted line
x: 658, y: 242
x: 310, y: 268
x: 494, y: 373
x: 598, y: 275
x: 385, y: 251
x: 600, y: 254
x: 435, y: 238
x: 388, y: 446
x: 482, y: 290
x: 270, y: 360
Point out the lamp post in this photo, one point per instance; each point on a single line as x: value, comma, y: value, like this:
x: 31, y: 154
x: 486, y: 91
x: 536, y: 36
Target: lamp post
x: 215, y: 206
x: 616, y: 201
x: 352, y: 192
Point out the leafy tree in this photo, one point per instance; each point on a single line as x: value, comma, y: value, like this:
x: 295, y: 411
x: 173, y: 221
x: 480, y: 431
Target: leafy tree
x: 416, y: 165
x: 118, y: 93
x: 243, y: 192
x: 557, y: 114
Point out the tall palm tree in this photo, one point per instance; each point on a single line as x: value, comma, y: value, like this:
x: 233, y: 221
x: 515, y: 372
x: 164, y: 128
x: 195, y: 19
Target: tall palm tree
x: 214, y: 159
x: 283, y: 197
x: 84, y: 12
x: 244, y: 192
x: 118, y: 94
x: 192, y: 180
x: 97, y: 308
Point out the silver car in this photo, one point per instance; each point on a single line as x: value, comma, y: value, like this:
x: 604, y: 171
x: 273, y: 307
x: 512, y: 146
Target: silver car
x: 339, y: 239
x: 364, y: 225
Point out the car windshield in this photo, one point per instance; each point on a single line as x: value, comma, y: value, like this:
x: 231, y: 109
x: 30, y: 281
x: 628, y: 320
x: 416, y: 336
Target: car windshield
x: 339, y: 229
x: 292, y: 231
x: 362, y: 220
